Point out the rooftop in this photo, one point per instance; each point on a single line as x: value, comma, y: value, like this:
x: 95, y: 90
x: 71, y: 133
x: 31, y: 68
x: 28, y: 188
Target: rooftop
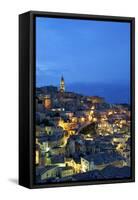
x: 103, y: 158
x: 40, y: 169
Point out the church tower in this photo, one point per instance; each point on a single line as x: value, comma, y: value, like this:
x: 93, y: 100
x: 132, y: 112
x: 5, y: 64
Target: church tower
x: 62, y: 85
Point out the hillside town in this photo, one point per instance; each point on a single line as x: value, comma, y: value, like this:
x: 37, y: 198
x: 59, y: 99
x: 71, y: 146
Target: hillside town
x: 79, y: 137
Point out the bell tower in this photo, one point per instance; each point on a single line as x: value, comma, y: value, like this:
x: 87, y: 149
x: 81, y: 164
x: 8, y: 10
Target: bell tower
x: 62, y: 85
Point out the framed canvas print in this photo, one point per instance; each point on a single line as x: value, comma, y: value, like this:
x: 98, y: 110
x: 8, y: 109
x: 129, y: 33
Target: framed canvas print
x: 76, y: 99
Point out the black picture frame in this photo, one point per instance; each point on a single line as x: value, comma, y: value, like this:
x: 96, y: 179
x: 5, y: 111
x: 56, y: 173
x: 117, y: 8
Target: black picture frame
x: 27, y: 96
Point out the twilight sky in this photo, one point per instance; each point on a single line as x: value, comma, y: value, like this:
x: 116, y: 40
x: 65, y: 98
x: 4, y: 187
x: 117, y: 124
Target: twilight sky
x: 93, y: 56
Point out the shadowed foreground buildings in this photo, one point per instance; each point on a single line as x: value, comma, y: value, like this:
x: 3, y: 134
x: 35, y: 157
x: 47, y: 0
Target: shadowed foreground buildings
x: 80, y: 137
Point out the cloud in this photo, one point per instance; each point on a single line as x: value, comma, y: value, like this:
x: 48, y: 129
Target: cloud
x: 52, y: 68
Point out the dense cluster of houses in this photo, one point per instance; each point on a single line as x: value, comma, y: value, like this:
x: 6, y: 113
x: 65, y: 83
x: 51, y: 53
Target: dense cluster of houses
x: 79, y: 136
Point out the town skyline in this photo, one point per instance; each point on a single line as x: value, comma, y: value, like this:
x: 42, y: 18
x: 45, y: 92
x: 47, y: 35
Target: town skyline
x: 97, y: 90
x: 80, y: 137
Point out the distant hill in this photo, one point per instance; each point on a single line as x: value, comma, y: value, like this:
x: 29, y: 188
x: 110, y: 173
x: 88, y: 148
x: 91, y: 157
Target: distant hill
x: 113, y: 93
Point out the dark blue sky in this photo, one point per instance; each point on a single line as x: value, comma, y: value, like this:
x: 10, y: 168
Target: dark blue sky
x: 93, y: 56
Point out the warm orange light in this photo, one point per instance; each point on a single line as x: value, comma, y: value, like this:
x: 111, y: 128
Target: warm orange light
x: 93, y: 107
x: 91, y: 112
x: 110, y: 113
x: 82, y: 119
x: 89, y: 117
x: 37, y: 157
x: 95, y: 119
